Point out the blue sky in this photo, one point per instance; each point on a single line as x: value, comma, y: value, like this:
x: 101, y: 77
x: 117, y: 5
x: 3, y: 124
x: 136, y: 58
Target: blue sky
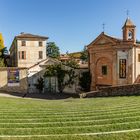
x: 71, y: 24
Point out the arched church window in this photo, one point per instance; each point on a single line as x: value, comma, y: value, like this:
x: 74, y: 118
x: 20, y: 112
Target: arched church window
x: 130, y: 35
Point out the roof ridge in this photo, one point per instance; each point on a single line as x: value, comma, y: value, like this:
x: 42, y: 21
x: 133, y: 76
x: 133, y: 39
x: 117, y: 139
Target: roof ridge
x: 112, y: 37
x: 29, y: 35
x: 38, y: 63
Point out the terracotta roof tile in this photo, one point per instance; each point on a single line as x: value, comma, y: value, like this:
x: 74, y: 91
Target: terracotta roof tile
x: 27, y: 35
x: 113, y: 38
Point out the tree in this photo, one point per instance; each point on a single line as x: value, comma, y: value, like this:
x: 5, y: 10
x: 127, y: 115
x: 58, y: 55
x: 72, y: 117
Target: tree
x: 137, y: 41
x: 52, y: 50
x: 72, y: 63
x: 40, y: 84
x: 2, y: 62
x: 1, y: 42
x: 3, y: 55
x: 84, y: 54
x: 61, y: 74
x: 3, y: 51
x: 85, y: 81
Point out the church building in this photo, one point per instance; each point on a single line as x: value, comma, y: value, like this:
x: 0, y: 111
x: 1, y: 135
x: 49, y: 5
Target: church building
x: 114, y: 61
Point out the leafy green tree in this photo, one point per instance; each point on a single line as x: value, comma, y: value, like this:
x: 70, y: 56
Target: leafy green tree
x: 61, y: 74
x: 3, y: 53
x: 40, y: 84
x: 72, y: 76
x: 52, y: 50
x: 84, y: 54
x: 56, y: 70
x: 2, y: 62
x: 72, y: 63
x: 85, y: 81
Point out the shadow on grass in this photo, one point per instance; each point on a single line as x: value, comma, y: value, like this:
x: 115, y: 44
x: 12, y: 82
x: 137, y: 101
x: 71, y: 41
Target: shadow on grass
x: 48, y: 96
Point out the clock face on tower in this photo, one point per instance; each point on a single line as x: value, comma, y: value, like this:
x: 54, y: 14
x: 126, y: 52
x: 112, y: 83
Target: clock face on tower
x: 130, y: 35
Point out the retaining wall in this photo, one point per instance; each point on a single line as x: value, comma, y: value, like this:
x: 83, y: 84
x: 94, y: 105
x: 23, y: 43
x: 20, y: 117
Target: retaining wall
x: 125, y: 90
x: 23, y: 84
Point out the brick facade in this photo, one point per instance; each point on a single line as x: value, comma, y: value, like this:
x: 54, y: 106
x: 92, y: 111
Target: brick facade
x: 114, y: 61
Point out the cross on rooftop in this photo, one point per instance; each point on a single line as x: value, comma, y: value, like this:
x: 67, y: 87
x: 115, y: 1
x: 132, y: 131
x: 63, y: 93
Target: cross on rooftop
x: 103, y: 27
x: 127, y: 12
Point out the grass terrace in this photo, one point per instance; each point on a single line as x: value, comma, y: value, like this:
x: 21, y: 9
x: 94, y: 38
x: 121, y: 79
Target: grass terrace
x: 70, y: 119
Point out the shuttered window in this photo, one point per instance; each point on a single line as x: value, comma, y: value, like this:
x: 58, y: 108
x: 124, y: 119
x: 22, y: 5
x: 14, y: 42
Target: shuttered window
x: 138, y: 57
x: 23, y: 43
x: 40, y: 55
x: 22, y: 54
x: 40, y: 44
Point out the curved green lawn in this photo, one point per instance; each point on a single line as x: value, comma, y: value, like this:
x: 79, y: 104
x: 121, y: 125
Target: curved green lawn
x: 69, y: 119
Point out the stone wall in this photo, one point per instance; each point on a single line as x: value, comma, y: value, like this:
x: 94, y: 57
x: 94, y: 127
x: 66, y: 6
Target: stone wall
x: 125, y: 90
x: 23, y: 84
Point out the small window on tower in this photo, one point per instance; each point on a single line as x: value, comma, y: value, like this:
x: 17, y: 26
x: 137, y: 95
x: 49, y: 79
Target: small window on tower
x: 130, y: 34
x: 104, y: 70
x: 138, y: 57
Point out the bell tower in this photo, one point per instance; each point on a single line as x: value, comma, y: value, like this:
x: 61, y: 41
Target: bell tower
x: 129, y: 31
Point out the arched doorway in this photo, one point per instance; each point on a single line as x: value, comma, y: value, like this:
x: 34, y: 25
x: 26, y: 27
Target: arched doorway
x: 103, y: 72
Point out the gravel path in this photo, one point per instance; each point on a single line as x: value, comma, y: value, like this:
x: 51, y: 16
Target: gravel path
x: 8, y: 95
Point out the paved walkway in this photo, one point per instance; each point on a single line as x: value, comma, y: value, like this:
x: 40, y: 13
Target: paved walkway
x: 8, y: 95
